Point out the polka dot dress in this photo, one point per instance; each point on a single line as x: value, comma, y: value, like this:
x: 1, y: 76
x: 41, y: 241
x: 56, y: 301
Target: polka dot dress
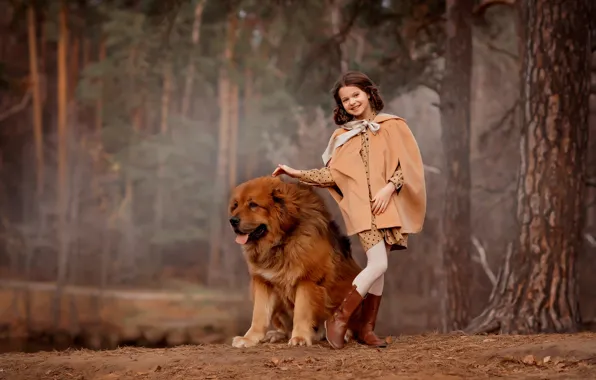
x: 392, y: 236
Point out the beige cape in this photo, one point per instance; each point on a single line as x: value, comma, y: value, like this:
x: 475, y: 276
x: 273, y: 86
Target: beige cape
x: 393, y: 143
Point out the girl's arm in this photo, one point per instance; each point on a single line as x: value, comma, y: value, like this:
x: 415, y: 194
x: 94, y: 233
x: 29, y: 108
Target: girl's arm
x: 397, y: 178
x: 316, y: 177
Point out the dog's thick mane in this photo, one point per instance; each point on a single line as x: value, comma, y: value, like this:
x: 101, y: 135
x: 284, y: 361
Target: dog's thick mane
x: 314, y: 217
x: 301, y: 211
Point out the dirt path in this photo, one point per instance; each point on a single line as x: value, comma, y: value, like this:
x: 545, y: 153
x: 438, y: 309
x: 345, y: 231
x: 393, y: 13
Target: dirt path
x: 410, y: 357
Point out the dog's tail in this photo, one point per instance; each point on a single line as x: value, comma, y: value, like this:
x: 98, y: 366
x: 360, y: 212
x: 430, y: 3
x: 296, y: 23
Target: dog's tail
x: 341, y: 242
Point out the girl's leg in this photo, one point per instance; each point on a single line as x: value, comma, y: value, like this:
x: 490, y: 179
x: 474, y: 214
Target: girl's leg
x: 377, y: 287
x: 373, y: 273
x: 370, y: 310
x: 336, y: 326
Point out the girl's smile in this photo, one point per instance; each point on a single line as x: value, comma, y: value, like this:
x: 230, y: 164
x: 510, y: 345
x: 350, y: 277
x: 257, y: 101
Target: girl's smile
x: 355, y: 101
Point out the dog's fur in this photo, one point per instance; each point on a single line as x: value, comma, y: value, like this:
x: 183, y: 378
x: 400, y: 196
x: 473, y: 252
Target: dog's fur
x: 301, y: 266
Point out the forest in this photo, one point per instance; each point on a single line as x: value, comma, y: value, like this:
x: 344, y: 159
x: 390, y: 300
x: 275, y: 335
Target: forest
x: 125, y: 124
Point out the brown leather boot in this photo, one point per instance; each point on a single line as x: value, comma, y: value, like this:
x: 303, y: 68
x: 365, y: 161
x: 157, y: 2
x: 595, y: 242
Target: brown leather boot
x: 370, y: 309
x: 337, y: 325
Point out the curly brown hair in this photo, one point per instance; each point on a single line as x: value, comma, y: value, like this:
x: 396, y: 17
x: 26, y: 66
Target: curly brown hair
x: 363, y: 82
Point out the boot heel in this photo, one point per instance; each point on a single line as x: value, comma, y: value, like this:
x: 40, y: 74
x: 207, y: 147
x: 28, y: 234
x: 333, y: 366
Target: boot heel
x: 370, y: 310
x: 337, y: 325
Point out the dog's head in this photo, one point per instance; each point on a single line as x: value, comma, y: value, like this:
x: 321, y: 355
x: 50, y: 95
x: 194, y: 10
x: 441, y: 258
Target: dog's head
x: 261, y: 209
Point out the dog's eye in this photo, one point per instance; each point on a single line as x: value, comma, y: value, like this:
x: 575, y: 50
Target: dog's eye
x: 253, y: 205
x: 234, y: 205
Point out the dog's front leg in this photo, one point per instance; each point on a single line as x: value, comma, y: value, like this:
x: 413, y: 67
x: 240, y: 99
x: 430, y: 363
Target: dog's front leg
x: 309, y: 298
x: 263, y: 304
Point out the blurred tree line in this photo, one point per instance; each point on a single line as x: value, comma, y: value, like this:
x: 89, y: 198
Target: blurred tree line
x: 146, y: 113
x: 141, y: 115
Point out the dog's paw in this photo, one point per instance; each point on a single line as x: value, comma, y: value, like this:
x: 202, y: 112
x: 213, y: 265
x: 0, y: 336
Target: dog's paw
x: 274, y: 336
x: 319, y: 334
x: 300, y: 341
x: 349, y: 336
x: 244, y: 342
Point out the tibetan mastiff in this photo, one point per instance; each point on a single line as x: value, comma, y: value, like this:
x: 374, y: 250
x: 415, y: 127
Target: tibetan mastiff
x: 299, y: 262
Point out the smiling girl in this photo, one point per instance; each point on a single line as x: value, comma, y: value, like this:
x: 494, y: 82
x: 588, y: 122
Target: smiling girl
x: 373, y: 169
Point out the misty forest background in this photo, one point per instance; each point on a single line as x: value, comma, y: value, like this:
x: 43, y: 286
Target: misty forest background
x: 124, y: 124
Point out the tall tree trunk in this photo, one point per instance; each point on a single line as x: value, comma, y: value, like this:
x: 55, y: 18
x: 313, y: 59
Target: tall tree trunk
x: 74, y: 68
x: 455, y: 120
x: 336, y: 6
x: 136, y: 117
x: 251, y: 99
x: 164, y: 127
x: 86, y: 52
x: 98, y: 125
x: 234, y: 119
x: 99, y: 101
x: 190, y: 69
x: 62, y: 156
x: 37, y: 106
x: 536, y: 291
x: 220, y: 187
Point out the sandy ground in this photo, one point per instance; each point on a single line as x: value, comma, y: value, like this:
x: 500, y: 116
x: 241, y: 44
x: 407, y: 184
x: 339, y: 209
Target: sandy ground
x: 430, y: 356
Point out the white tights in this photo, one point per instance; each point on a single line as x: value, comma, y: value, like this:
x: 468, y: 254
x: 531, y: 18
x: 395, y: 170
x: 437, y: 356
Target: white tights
x: 372, y: 277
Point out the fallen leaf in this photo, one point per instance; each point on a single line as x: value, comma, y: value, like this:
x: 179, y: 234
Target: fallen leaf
x: 488, y: 340
x: 529, y: 359
x: 275, y: 361
x: 158, y: 368
x: 546, y: 359
x: 561, y: 365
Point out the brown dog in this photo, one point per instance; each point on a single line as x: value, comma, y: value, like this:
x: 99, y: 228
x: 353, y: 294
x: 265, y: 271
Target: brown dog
x: 300, y: 264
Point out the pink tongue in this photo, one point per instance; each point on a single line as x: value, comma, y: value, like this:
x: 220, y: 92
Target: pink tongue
x: 241, y: 239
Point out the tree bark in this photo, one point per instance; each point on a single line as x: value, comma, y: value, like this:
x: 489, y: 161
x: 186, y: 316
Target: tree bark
x: 251, y: 100
x: 62, y: 156
x: 37, y: 106
x: 234, y: 120
x: 455, y: 120
x: 220, y: 187
x: 99, y: 101
x: 164, y: 128
x: 536, y: 291
x: 190, y: 68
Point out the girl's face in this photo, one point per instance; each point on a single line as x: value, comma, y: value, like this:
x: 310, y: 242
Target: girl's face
x: 355, y: 101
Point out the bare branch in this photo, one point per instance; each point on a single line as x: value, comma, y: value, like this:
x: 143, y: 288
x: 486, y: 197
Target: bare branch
x: 432, y: 169
x: 481, y: 259
x: 500, y: 50
x: 591, y: 239
x: 481, y: 8
x: 17, y: 107
x: 499, y: 124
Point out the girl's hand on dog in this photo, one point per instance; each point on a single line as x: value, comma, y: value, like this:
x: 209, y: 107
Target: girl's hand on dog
x: 381, y: 199
x: 285, y: 169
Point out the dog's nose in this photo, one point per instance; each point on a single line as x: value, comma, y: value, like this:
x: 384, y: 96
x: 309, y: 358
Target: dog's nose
x: 235, y: 221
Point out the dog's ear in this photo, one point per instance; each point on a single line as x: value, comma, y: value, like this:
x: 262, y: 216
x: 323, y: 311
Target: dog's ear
x: 287, y: 209
x: 277, y: 195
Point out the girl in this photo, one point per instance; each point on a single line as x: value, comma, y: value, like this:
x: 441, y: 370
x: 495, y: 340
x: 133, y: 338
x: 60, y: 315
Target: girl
x: 373, y: 169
